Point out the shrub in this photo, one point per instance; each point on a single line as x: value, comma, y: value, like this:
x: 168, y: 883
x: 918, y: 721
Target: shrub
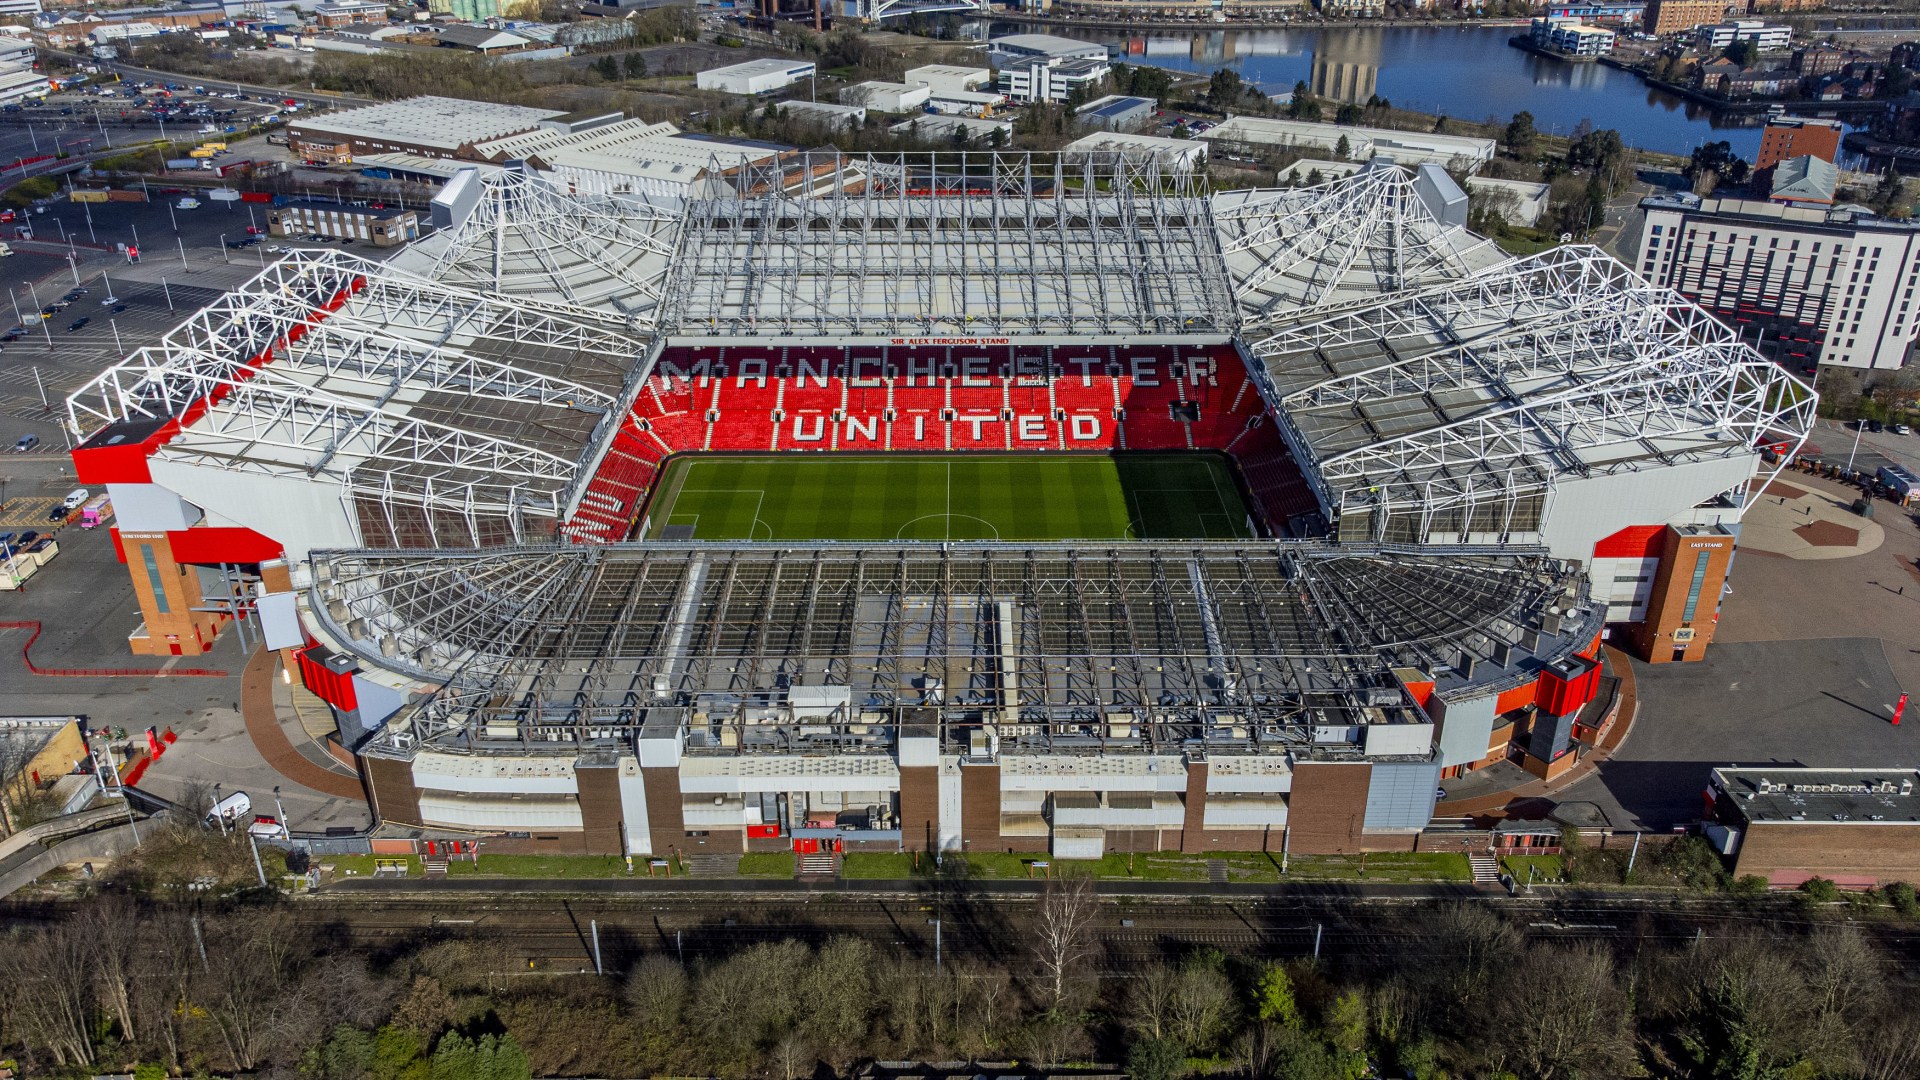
x: 1748, y: 886
x: 1901, y: 895
x: 1819, y: 890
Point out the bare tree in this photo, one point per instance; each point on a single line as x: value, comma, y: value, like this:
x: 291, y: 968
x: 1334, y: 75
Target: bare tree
x: 111, y: 930
x: 51, y: 991
x: 1150, y: 999
x: 1063, y: 934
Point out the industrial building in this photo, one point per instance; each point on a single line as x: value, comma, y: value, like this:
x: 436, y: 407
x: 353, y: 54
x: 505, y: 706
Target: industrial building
x: 1409, y: 148
x: 949, y: 77
x: 1041, y: 67
x: 379, y: 226
x: 419, y: 479
x: 423, y: 126
x: 826, y: 112
x: 1116, y: 112
x: 1855, y: 827
x: 754, y: 77
x: 981, y: 131
x: 1174, y: 155
x: 887, y: 97
x: 614, y: 155
x: 1812, y: 284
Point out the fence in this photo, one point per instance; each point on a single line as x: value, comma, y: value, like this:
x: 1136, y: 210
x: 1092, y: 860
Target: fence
x: 98, y: 673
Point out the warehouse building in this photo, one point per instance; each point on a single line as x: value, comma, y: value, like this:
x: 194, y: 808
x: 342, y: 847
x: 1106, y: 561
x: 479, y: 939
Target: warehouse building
x: 949, y: 77
x: 754, y: 77
x: 1117, y: 112
x: 1406, y: 148
x: 1855, y: 827
x: 1814, y: 285
x: 887, y: 97
x: 423, y: 126
x: 1179, y: 155
x: 381, y: 227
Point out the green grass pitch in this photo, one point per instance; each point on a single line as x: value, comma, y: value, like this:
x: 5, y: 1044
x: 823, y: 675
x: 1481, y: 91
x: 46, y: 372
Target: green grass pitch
x: 795, y: 497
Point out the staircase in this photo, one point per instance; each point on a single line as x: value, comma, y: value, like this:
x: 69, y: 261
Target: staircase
x: 434, y: 866
x: 1217, y: 872
x: 1486, y: 869
x: 713, y: 865
x: 817, y: 866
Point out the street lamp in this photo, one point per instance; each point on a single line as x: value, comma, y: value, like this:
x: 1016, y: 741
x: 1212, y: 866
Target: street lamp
x: 224, y: 249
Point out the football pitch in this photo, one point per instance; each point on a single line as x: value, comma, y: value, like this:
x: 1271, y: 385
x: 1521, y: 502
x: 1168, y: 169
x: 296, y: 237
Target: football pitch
x: 948, y: 497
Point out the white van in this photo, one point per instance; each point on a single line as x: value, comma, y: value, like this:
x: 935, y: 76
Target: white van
x: 192, y: 203
x: 229, y: 811
x: 76, y: 498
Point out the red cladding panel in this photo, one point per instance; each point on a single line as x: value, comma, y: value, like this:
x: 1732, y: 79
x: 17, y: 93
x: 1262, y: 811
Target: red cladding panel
x: 1563, y: 694
x: 119, y: 552
x: 333, y: 687
x: 1517, y: 698
x: 232, y: 544
x: 1421, y: 692
x: 122, y: 463
x: 1633, y: 542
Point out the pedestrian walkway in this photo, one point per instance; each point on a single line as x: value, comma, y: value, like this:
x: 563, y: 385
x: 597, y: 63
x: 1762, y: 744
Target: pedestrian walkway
x: 270, y: 739
x: 1804, y: 522
x: 1496, y: 803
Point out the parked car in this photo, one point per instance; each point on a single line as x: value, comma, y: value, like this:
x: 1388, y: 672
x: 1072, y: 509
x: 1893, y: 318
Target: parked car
x: 78, y: 323
x: 1900, y: 429
x: 26, y: 443
x: 58, y: 514
x: 1876, y: 426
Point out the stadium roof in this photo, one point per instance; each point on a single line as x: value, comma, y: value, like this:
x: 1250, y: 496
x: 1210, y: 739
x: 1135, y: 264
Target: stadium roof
x: 955, y: 244
x: 1248, y: 646
x: 447, y: 417
x: 1561, y: 365
x: 464, y: 391
x: 1348, y: 240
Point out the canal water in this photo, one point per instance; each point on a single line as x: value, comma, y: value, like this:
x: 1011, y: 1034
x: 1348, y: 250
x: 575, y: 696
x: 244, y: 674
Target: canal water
x: 1466, y: 73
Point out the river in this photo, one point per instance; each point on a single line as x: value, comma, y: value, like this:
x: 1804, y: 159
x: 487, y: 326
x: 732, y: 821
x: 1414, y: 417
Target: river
x: 1470, y: 73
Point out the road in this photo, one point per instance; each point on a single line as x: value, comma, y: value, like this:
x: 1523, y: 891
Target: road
x: 313, y: 98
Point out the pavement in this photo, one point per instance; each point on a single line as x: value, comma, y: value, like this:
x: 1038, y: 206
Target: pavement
x: 1808, y: 659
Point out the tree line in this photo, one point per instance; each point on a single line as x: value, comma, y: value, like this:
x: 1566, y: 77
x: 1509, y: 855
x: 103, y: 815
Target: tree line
x: 1457, y: 990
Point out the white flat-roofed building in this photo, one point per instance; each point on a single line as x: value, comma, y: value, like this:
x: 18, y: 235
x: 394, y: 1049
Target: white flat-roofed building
x: 887, y: 97
x: 428, y: 126
x: 1833, y: 286
x: 965, y: 102
x: 1766, y: 37
x: 1018, y: 49
x: 15, y: 85
x: 949, y: 77
x: 940, y: 128
x: 1408, y: 148
x: 1572, y: 37
x: 1052, y: 80
x: 754, y: 76
x: 627, y: 156
x: 1523, y: 202
x: 1181, y: 154
x: 826, y: 112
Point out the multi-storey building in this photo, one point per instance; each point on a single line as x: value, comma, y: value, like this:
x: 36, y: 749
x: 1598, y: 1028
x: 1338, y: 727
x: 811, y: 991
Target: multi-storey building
x: 1665, y: 17
x: 1815, y: 285
x: 1798, y: 136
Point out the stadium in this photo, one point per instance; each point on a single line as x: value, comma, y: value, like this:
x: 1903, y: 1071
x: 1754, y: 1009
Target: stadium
x: 975, y: 501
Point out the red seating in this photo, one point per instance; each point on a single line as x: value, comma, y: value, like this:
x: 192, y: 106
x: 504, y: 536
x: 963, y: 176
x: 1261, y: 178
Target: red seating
x: 766, y: 396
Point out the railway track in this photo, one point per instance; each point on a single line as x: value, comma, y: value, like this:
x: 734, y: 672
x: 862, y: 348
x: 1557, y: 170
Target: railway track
x: 558, y: 936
